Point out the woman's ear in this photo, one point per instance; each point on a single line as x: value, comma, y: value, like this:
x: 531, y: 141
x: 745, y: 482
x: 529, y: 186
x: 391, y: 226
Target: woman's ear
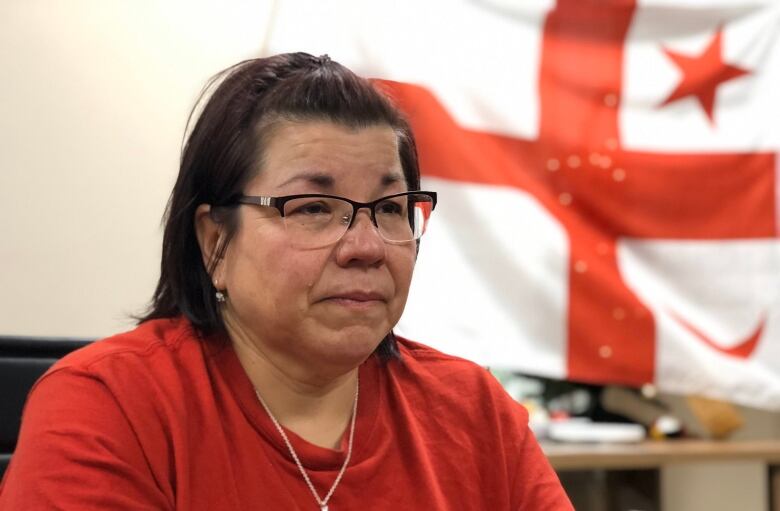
x: 209, y: 233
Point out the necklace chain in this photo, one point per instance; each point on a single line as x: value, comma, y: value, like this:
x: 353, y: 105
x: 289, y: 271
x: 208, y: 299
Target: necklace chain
x: 323, y: 503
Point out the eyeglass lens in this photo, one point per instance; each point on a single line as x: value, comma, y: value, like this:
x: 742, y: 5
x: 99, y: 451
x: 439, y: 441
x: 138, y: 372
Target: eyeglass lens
x: 320, y: 221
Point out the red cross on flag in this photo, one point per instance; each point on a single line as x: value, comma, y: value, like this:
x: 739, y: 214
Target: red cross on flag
x: 607, y: 174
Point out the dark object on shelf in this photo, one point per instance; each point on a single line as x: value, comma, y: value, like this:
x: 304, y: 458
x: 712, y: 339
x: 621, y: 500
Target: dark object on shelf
x: 643, y: 410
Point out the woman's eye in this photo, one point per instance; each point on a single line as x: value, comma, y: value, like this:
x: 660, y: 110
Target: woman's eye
x: 389, y: 208
x: 311, y: 209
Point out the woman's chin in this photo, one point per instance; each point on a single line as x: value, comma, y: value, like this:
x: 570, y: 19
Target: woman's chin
x: 351, y: 345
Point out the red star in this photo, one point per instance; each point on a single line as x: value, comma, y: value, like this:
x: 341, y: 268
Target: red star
x: 701, y: 75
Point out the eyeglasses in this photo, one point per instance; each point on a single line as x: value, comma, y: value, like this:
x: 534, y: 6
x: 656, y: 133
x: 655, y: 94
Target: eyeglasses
x: 316, y: 220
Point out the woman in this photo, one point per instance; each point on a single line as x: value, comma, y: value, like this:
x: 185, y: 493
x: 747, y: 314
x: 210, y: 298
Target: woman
x: 266, y: 374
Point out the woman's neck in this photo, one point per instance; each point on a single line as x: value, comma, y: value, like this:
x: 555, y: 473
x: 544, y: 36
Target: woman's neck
x: 318, y: 408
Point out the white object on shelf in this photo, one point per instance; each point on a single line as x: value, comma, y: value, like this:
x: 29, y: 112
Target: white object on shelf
x: 585, y: 430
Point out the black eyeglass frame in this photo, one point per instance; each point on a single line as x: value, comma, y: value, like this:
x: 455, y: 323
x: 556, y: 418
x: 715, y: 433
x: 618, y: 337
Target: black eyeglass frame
x: 279, y: 202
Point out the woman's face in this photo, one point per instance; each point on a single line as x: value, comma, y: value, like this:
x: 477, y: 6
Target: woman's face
x: 329, y: 306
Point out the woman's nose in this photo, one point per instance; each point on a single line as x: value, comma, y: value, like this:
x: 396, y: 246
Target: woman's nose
x: 362, y: 243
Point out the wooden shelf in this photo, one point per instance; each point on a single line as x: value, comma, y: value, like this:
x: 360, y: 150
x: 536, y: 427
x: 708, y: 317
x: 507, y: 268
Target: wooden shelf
x: 650, y: 454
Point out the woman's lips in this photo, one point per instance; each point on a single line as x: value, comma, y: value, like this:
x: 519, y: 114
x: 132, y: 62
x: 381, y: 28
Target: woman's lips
x: 357, y: 300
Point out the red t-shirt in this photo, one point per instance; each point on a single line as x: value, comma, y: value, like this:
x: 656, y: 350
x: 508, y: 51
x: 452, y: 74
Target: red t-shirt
x: 157, y: 419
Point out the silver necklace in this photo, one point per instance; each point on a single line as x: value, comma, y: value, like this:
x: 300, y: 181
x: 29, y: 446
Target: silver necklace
x: 323, y: 503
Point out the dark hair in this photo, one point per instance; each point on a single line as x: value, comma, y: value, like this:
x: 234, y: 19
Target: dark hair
x: 223, y: 151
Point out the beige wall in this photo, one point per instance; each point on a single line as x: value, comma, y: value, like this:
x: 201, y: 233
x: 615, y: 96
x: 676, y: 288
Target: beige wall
x: 94, y: 97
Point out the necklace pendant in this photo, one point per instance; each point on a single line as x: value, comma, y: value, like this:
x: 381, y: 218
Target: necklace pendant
x: 324, y: 508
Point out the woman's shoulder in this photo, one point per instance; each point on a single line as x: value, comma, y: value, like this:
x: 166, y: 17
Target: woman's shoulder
x: 447, y: 374
x: 141, y: 372
x: 424, y: 354
x: 104, y: 413
x: 154, y: 339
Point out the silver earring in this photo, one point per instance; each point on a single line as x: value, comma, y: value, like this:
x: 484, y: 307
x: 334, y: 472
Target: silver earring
x: 219, y: 295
